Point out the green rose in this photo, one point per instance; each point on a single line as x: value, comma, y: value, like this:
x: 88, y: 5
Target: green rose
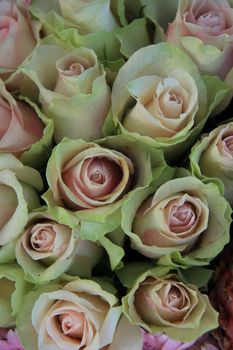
x: 47, y: 249
x: 183, y: 222
x: 88, y: 182
x: 163, y: 303
x: 74, y: 93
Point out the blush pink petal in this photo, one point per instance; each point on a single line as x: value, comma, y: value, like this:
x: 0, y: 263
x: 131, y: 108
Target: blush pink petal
x: 24, y: 129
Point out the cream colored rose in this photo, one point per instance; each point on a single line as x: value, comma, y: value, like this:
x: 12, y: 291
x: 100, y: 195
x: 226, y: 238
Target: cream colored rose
x: 164, y: 106
x: 80, y: 316
x: 213, y: 157
x: 17, y: 38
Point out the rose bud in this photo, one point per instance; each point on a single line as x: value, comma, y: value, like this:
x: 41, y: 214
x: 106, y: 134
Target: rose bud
x: 17, y: 36
x: 13, y: 288
x: 166, y: 108
x: 9, y: 340
x: 75, y: 93
x: 18, y: 191
x: 161, y: 302
x: 24, y: 130
x: 88, y: 182
x: 213, y: 157
x: 89, y: 16
x: 47, y: 248
x: 80, y: 315
x: 198, y: 29
x: 184, y: 221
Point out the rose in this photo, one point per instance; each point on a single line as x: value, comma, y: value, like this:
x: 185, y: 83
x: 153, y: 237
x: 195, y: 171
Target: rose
x: 75, y: 93
x: 204, y: 29
x: 213, y: 157
x: 13, y: 289
x: 9, y: 340
x: 47, y: 248
x: 163, y: 303
x: 17, y: 37
x: 184, y: 221
x: 159, y: 93
x: 88, y: 182
x: 89, y: 16
x: 79, y: 315
x: 18, y: 191
x: 22, y: 130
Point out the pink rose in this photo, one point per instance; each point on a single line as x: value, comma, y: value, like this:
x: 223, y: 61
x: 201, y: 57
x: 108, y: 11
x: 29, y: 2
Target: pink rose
x: 9, y: 340
x: 17, y: 38
x: 20, y: 127
x: 204, y: 30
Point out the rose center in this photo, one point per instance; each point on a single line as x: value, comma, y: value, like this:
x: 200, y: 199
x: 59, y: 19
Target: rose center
x: 182, y: 217
x: 72, y: 324
x: 212, y: 20
x: 43, y: 239
x: 98, y: 177
x: 76, y: 68
x: 171, y: 104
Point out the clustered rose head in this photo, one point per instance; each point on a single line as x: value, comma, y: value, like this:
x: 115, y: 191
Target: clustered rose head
x: 75, y: 94
x: 200, y: 28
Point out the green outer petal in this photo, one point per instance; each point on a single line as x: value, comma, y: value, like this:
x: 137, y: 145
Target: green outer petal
x: 15, y: 274
x: 115, y: 252
x: 196, y: 275
x: 38, y: 154
x: 133, y: 37
x: 25, y: 329
x: 7, y: 253
x: 194, y: 329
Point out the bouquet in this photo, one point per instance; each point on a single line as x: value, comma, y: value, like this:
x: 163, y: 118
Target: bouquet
x: 116, y: 174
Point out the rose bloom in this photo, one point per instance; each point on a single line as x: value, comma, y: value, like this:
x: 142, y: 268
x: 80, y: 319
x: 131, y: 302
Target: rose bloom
x: 81, y: 315
x: 183, y: 215
x: 213, y: 157
x: 9, y: 340
x: 204, y: 30
x: 75, y: 94
x: 20, y: 126
x: 17, y: 38
x: 162, y: 303
x: 47, y: 248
